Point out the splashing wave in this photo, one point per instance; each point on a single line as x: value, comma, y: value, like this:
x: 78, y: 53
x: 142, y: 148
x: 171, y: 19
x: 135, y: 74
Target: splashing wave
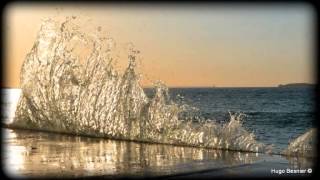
x: 69, y: 84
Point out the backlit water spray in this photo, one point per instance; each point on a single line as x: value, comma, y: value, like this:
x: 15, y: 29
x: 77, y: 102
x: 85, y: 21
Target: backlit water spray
x: 69, y: 84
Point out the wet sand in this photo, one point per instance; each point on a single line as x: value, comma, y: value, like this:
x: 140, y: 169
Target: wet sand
x: 29, y: 153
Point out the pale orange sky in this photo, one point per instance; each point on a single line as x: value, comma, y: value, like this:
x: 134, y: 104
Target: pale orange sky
x: 198, y: 45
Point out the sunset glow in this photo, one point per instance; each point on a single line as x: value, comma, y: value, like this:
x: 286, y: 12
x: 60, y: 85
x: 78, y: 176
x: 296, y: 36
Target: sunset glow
x: 185, y: 46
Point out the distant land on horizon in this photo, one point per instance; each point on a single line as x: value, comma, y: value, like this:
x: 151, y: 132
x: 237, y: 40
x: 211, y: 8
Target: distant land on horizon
x: 296, y: 85
x: 174, y: 87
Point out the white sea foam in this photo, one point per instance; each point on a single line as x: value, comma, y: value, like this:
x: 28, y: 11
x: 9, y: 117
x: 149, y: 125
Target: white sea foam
x: 304, y: 145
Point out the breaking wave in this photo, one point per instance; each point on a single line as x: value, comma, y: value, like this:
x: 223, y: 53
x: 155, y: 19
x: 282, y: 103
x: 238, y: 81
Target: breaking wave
x: 69, y: 84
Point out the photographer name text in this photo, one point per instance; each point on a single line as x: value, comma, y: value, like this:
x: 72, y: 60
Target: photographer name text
x: 291, y: 171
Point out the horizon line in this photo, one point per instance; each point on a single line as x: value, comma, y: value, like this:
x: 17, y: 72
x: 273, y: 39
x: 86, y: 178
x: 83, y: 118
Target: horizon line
x: 213, y: 87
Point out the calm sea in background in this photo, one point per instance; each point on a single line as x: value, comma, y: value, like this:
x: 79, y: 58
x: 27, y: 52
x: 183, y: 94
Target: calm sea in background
x: 275, y: 115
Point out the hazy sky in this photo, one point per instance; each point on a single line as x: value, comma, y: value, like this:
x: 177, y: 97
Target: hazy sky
x: 187, y: 45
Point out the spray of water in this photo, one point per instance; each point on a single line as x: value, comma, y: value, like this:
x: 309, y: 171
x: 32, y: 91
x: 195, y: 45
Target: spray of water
x: 303, y: 145
x: 69, y: 84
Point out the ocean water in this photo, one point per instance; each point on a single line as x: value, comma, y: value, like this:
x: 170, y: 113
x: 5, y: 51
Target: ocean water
x: 84, y: 94
x: 66, y: 91
x: 9, y: 101
x: 33, y: 154
x: 275, y: 115
x: 39, y: 154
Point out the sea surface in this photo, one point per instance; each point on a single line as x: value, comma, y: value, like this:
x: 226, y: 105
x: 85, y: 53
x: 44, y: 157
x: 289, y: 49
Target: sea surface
x: 275, y: 115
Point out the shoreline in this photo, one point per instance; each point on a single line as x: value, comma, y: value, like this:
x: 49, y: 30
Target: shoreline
x: 8, y: 126
x: 13, y: 127
x: 40, y: 144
